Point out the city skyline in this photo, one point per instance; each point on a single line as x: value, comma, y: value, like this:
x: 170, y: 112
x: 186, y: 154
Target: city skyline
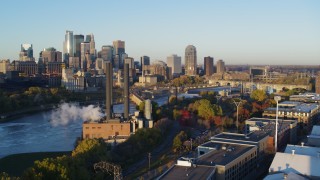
x: 245, y: 32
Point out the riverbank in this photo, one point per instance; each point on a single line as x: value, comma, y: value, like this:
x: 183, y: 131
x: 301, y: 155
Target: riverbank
x: 6, y: 117
x: 16, y: 164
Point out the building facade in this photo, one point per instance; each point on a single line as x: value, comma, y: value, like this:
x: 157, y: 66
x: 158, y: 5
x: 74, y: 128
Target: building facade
x: 174, y: 62
x: 144, y: 60
x: 4, y: 66
x: 208, y: 66
x: 68, y: 46
x: 191, y: 60
x: 78, y: 39
x: 221, y: 66
x: 26, y: 53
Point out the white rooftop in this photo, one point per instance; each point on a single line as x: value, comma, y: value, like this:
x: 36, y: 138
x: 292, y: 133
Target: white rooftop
x: 289, y: 176
x: 299, y: 164
x: 303, y: 150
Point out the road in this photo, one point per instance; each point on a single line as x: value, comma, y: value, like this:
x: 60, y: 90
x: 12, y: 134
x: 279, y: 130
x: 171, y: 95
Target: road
x: 156, y: 153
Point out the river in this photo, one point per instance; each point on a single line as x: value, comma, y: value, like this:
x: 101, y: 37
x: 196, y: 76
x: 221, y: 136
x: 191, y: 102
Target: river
x: 35, y: 133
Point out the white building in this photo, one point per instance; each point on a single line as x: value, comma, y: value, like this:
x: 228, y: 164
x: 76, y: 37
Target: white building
x: 301, y: 160
x: 174, y: 62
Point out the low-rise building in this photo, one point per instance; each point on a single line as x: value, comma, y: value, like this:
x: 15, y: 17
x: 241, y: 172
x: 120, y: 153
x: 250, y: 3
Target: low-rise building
x: 225, y: 156
x: 287, y: 131
x: 111, y: 130
x: 302, y: 160
x: 305, y: 113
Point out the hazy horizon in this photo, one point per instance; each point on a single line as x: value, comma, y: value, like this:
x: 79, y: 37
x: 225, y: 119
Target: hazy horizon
x: 247, y: 32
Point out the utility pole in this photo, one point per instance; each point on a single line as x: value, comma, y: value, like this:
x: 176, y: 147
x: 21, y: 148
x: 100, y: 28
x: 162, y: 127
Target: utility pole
x: 237, y: 105
x: 149, y: 156
x: 277, y: 99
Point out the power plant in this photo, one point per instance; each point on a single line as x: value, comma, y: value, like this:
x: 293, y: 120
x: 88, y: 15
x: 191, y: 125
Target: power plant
x: 117, y: 129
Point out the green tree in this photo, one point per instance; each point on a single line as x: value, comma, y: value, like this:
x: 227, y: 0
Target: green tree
x: 178, y: 140
x: 258, y: 95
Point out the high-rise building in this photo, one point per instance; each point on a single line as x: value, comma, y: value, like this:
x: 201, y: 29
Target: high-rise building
x: 106, y: 53
x: 51, y: 55
x: 130, y: 61
x: 174, y: 62
x: 191, y: 60
x: 317, y: 86
x: 221, y: 66
x: 119, y: 47
x: 144, y: 60
x: 90, y: 39
x: 78, y: 39
x: 26, y: 53
x: 4, y: 66
x: 85, y: 49
x: 68, y: 46
x: 208, y: 66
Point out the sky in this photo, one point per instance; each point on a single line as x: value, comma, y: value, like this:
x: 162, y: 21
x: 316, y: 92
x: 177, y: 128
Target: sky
x: 270, y: 32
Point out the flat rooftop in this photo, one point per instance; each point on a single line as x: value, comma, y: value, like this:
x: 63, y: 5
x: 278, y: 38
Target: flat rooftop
x: 293, y: 106
x: 193, y: 172
x: 221, y: 155
x: 303, y: 150
x: 268, y: 125
x: 255, y: 136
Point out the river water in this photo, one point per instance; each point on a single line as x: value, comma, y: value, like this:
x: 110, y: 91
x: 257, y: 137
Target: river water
x: 35, y: 133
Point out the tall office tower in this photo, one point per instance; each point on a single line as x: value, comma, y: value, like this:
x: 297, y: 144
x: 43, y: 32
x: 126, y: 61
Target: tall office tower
x: 122, y: 58
x: 68, y: 46
x: 317, y: 85
x: 109, y: 86
x: 119, y: 47
x: 78, y: 39
x: 220, y: 66
x: 26, y: 53
x: 106, y: 53
x: 90, y: 39
x: 51, y: 55
x: 208, y: 66
x: 174, y: 62
x: 85, y: 49
x: 191, y: 60
x: 144, y: 60
x: 74, y: 62
x: 130, y: 61
x: 126, y: 91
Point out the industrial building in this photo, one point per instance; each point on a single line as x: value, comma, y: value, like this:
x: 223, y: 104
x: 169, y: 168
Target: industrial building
x: 117, y: 129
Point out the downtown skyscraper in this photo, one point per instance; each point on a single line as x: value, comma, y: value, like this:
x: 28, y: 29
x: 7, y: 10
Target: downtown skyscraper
x: 68, y: 50
x: 191, y: 60
x: 174, y: 62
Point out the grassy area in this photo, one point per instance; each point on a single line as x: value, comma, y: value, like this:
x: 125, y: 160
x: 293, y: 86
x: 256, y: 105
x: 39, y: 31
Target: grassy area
x: 15, y: 164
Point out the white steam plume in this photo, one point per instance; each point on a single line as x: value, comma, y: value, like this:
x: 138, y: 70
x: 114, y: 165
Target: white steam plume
x: 67, y: 113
